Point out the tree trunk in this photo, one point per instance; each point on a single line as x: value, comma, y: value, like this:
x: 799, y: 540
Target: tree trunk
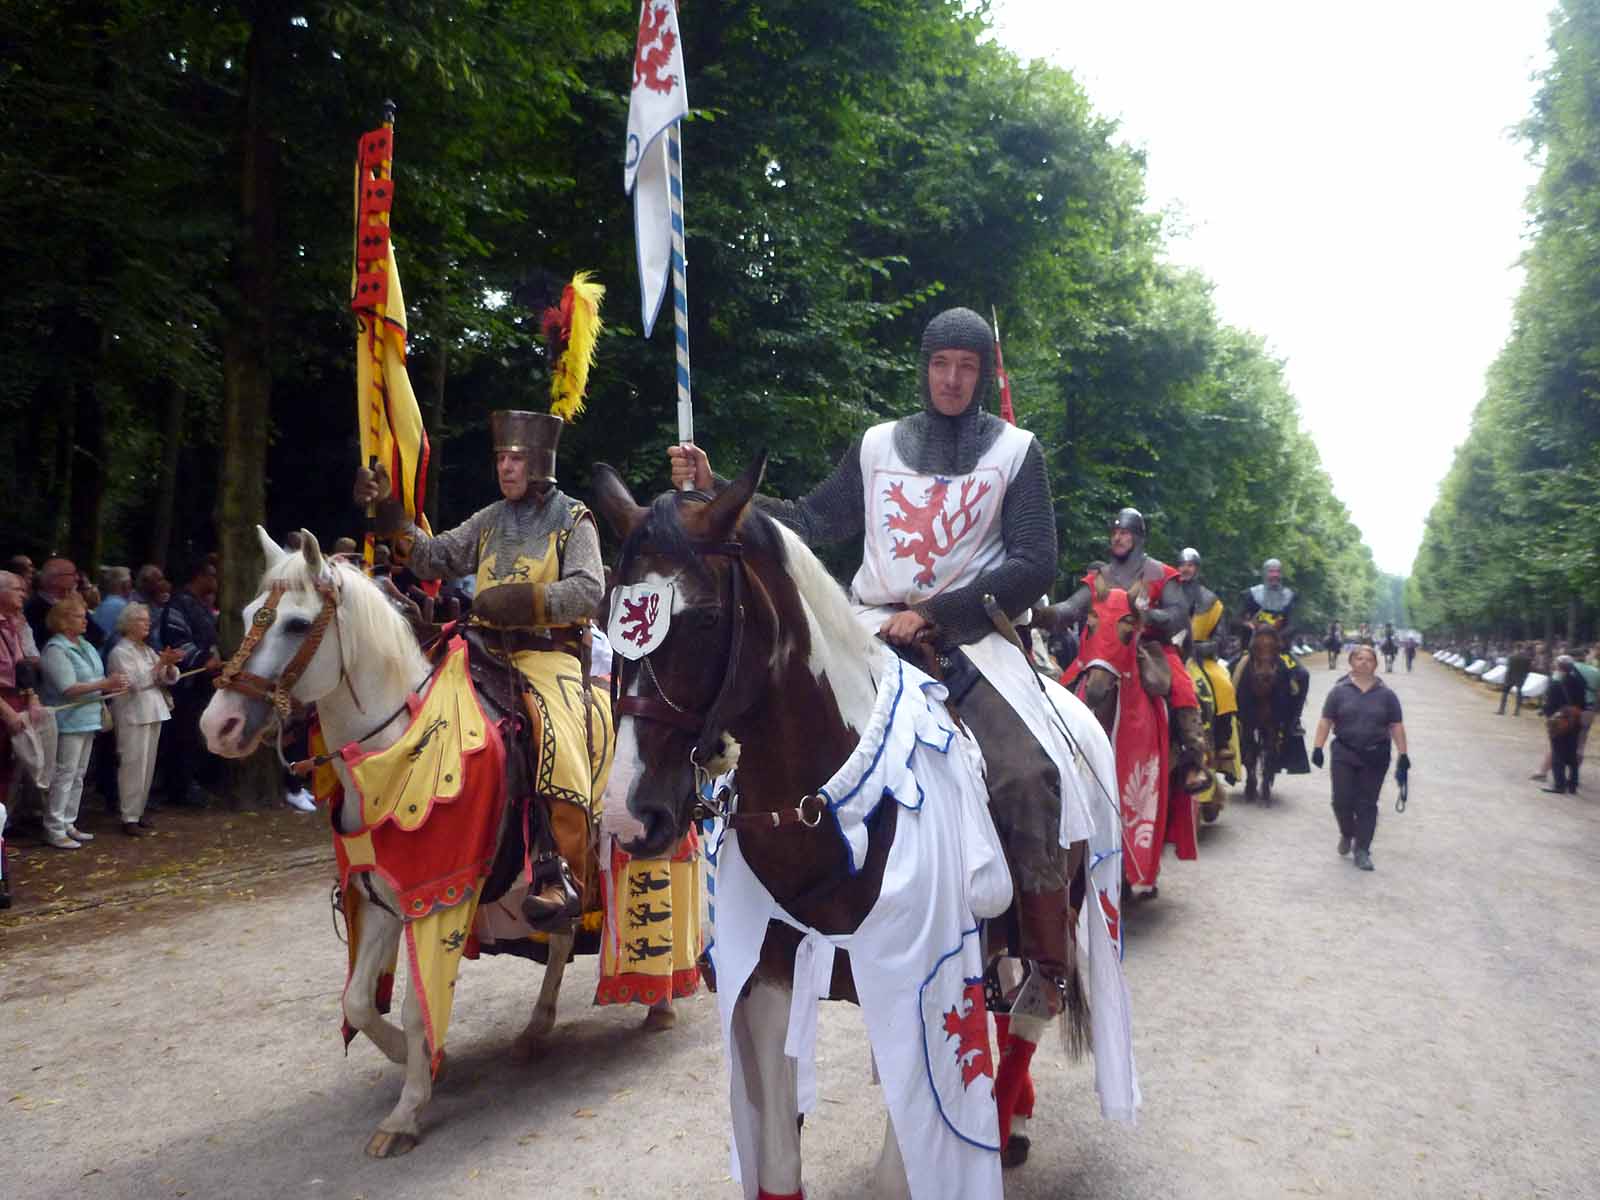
x: 247, y: 377
x: 161, y: 522
x: 61, y: 479
x: 1572, y: 621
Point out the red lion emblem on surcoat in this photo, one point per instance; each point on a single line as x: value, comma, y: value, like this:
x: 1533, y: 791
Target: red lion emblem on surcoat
x: 639, y: 618
x: 654, y: 53
x: 968, y: 1023
x: 934, y: 531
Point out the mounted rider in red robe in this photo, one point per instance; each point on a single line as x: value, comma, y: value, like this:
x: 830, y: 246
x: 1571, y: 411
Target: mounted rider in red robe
x: 1166, y: 616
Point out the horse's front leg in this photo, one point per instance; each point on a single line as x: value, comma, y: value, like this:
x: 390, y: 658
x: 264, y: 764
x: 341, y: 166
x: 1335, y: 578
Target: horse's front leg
x: 543, y: 1019
x: 375, y: 949
x: 398, y: 1132
x: 760, y: 1024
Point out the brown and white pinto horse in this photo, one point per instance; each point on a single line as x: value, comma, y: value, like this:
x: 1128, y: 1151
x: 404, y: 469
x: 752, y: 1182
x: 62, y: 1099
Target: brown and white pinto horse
x: 764, y: 648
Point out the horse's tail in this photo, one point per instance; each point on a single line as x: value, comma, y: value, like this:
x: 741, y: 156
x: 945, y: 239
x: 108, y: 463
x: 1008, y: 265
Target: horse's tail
x: 1076, y: 1031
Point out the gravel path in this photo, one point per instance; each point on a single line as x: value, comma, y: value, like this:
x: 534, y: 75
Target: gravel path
x: 1303, y: 1029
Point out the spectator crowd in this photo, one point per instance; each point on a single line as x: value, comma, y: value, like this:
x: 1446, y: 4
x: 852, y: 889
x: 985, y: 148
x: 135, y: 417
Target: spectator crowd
x: 103, y: 685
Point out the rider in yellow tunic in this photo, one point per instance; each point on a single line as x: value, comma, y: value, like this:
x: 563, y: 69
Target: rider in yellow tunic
x: 535, y: 556
x: 1205, y: 625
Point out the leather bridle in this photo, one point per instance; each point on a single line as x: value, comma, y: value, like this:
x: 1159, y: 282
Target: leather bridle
x: 234, y: 678
x: 708, y: 726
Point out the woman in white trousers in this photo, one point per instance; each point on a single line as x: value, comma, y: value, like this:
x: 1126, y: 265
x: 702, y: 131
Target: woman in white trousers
x: 75, y: 681
x: 138, y: 713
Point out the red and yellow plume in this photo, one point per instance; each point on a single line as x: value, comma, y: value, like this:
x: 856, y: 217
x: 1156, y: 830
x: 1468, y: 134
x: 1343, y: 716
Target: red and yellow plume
x: 573, y: 329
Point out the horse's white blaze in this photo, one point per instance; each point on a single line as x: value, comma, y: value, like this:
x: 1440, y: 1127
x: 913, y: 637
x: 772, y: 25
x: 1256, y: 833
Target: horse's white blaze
x: 843, y: 653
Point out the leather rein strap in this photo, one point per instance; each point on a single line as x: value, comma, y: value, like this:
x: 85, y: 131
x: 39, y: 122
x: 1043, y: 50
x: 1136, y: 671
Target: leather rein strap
x: 234, y: 678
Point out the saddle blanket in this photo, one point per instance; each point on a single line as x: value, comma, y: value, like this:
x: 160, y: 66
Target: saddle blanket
x: 430, y: 812
x: 915, y: 958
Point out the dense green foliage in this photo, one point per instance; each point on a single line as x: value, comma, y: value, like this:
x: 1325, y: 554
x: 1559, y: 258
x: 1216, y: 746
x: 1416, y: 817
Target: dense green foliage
x: 1512, y: 545
x: 175, y: 216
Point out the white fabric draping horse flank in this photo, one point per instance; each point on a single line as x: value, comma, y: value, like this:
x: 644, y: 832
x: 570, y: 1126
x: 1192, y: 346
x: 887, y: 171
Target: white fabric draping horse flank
x: 915, y: 958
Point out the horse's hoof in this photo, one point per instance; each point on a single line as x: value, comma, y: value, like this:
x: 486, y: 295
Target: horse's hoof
x: 1016, y: 1150
x: 659, y: 1020
x: 391, y: 1145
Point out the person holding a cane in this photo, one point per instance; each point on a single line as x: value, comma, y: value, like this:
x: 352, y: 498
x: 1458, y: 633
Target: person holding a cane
x: 1364, y: 717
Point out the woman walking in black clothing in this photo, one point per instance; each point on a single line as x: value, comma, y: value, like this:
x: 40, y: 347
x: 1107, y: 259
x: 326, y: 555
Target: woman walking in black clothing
x: 1364, y: 716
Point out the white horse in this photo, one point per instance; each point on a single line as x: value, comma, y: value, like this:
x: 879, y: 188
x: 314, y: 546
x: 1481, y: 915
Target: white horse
x: 373, y: 655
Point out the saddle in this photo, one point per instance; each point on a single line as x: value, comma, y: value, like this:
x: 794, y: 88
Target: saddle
x: 526, y: 817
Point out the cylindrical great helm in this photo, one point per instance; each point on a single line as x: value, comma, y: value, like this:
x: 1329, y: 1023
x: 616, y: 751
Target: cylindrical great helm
x: 534, y: 434
x: 1188, y: 555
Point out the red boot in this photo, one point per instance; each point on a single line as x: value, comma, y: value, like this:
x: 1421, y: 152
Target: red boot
x: 1013, y: 1091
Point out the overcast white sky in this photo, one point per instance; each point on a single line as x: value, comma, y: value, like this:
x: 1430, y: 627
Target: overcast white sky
x: 1347, y: 178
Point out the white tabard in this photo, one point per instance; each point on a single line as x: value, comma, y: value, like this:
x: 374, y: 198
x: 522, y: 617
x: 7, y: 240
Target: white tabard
x: 926, y: 534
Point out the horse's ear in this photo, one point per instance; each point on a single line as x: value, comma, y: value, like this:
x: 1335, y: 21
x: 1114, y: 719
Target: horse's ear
x: 1102, y: 589
x: 1136, y: 593
x: 311, y: 550
x: 722, y: 515
x: 614, y: 502
x: 273, y: 552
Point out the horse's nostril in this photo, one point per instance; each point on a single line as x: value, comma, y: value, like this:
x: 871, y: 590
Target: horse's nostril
x: 231, y: 726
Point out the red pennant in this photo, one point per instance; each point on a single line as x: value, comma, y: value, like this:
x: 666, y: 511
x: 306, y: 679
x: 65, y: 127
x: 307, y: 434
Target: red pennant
x: 372, y: 285
x: 377, y: 147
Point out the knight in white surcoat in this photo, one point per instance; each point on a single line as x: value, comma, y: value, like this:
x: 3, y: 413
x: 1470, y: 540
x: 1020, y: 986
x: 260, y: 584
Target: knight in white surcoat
x: 953, y: 506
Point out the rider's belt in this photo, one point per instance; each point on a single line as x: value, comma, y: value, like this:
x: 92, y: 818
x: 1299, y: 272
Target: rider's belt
x: 568, y: 641
x: 960, y: 674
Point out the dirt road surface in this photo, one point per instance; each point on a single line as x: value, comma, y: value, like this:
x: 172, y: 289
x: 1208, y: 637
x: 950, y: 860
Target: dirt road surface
x: 1303, y: 1029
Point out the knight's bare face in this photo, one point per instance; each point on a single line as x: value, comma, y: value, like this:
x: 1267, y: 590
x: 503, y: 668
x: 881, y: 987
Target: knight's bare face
x: 512, y: 470
x: 1121, y: 543
x: 1274, y: 576
x: 952, y: 380
x: 1188, y: 571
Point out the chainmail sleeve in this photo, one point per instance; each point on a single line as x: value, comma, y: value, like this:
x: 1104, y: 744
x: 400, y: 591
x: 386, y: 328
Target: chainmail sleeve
x: 832, y: 512
x: 450, y: 554
x: 1028, y: 529
x: 576, y: 595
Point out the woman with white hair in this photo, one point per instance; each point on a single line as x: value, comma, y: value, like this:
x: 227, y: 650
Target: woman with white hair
x: 75, y: 681
x: 139, y: 711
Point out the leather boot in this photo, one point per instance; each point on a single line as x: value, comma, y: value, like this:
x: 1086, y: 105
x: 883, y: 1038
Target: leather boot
x: 1223, y: 756
x: 552, y: 898
x: 1042, y: 918
x: 1192, y: 753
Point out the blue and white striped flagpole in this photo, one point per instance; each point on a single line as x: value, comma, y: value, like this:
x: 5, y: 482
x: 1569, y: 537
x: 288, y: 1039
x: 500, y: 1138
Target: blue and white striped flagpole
x: 680, y: 284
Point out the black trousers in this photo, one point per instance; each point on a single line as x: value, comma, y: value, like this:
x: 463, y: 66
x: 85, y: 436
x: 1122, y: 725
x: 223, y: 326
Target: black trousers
x: 1516, y: 712
x: 1564, y: 761
x: 1356, y: 785
x: 187, y: 758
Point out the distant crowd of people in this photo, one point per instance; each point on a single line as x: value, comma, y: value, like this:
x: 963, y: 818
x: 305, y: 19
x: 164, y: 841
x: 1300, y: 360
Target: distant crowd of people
x: 1568, y: 675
